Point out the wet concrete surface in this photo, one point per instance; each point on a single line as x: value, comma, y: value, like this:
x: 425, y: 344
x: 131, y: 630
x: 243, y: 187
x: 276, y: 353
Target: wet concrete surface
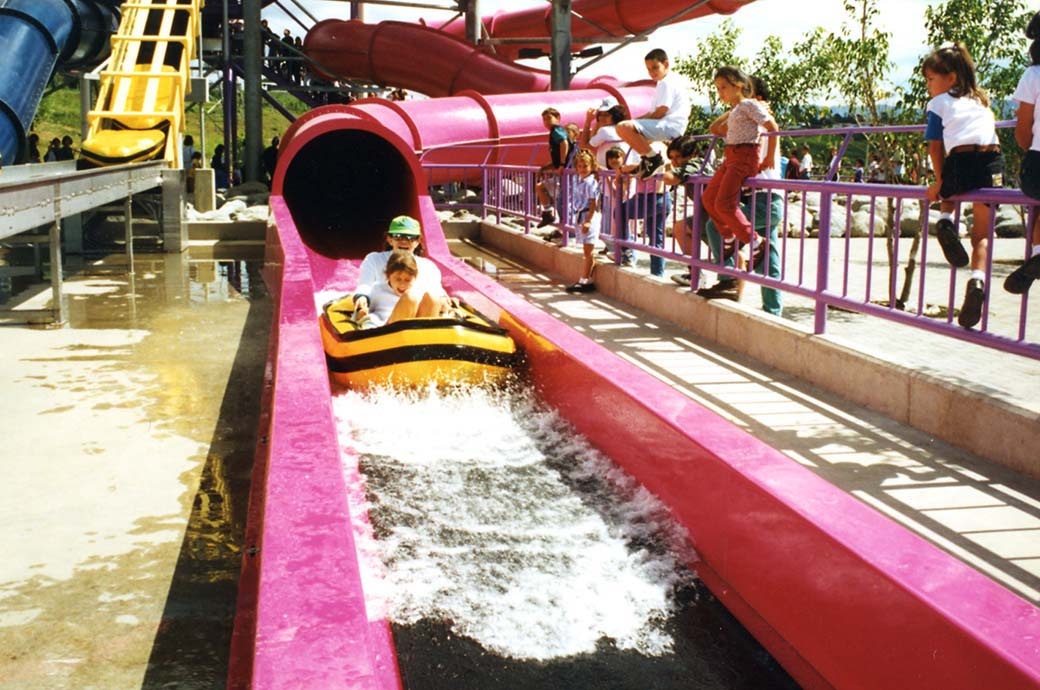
x: 128, y: 443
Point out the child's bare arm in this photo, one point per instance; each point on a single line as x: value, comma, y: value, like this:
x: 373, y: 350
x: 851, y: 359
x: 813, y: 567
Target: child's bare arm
x: 938, y: 155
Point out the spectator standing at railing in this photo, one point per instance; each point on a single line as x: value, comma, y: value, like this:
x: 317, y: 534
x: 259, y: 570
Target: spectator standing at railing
x: 834, y: 166
x: 962, y: 143
x: 1027, y: 134
x: 52, y: 151
x: 34, y: 148
x: 766, y: 214
x: 794, y: 166
x: 600, y: 131
x: 584, y: 200
x: 287, y: 50
x: 857, y: 172
x: 741, y: 126
x: 682, y: 152
x: 599, y: 135
x: 667, y: 118
x: 549, y: 182
x: 874, y: 173
x: 651, y: 203
x: 614, y: 195
x: 806, y: 162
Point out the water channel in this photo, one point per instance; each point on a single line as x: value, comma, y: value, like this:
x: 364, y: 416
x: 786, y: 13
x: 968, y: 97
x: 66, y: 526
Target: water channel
x: 508, y: 553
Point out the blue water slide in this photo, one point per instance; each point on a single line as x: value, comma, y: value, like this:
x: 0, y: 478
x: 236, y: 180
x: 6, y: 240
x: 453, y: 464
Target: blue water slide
x: 36, y: 36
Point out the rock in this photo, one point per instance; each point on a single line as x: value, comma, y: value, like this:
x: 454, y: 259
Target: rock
x: 1009, y: 222
x: 859, y: 224
x: 257, y: 213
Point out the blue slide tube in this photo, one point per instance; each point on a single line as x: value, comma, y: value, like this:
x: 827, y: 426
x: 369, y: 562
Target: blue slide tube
x: 35, y: 37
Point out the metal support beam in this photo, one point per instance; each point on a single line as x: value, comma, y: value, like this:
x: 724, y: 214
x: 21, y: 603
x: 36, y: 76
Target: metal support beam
x: 472, y: 20
x: 59, y: 315
x: 128, y: 230
x: 252, y: 61
x: 229, y: 99
x: 560, y: 70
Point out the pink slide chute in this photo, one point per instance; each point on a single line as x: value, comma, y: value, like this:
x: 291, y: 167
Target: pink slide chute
x: 593, y: 20
x: 418, y: 58
x: 469, y: 128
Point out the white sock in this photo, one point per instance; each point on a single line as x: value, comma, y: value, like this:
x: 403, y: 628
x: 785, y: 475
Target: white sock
x: 1036, y: 250
x: 948, y: 215
x: 583, y: 281
x: 978, y: 275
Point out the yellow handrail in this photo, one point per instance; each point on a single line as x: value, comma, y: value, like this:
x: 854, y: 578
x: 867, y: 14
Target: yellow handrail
x: 145, y: 85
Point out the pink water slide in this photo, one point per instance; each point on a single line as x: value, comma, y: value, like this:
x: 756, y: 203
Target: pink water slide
x: 418, y: 58
x: 441, y: 63
x: 592, y: 20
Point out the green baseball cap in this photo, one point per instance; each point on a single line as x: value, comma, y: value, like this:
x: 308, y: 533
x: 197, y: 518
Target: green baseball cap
x: 404, y: 225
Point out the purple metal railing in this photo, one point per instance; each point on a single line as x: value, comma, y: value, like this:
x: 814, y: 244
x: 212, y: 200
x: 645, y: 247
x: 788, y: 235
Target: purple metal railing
x: 844, y: 274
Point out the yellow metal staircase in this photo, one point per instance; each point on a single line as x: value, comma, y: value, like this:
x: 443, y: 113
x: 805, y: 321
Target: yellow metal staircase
x: 139, y: 114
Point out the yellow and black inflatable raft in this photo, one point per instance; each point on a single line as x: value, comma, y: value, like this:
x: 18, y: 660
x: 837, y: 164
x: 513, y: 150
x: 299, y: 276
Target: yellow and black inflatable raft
x: 467, y: 349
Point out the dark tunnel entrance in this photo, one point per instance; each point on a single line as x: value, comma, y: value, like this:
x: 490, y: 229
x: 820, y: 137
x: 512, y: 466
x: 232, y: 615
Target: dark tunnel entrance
x: 343, y: 188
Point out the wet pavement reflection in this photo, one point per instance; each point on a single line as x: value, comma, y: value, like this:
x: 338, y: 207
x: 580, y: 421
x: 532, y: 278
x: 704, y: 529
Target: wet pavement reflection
x: 129, y: 439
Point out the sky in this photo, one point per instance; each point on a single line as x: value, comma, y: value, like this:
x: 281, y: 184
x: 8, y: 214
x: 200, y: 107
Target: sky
x: 790, y: 19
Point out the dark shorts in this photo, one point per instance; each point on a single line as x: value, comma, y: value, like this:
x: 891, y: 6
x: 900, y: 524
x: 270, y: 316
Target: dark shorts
x: 1031, y: 174
x: 965, y: 171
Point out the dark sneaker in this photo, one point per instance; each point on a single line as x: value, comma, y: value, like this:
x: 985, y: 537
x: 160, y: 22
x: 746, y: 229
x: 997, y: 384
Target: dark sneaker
x: 971, y: 310
x: 581, y: 287
x: 650, y: 166
x: 681, y: 279
x: 724, y: 289
x: 1022, y: 277
x: 548, y: 218
x: 553, y: 236
x: 950, y: 242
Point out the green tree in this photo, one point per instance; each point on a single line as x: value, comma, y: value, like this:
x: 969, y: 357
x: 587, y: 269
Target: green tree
x: 714, y: 51
x: 993, y: 32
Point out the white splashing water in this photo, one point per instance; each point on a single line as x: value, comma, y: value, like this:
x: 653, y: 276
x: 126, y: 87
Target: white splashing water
x: 493, y: 515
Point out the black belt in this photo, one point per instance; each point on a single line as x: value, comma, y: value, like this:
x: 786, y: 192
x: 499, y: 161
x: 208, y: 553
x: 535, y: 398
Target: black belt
x: 976, y: 148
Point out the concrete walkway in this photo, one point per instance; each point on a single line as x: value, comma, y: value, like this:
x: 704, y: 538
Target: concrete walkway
x: 128, y: 441
x: 984, y: 514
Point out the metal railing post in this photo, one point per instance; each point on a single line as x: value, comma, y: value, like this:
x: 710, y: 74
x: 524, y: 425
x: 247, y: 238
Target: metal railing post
x: 823, y: 260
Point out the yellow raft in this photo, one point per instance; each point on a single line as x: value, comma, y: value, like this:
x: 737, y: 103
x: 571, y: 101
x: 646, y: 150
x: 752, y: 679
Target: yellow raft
x: 464, y: 349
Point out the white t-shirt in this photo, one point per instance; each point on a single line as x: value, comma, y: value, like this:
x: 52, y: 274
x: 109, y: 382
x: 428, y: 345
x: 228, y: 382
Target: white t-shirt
x: 1028, y: 91
x: 672, y: 93
x: 763, y: 148
x: 807, y: 164
x: 602, y: 140
x: 964, y: 121
x: 373, y: 272
x: 381, y: 302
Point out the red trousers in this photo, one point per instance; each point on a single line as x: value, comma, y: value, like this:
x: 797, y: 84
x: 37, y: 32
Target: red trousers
x: 721, y: 198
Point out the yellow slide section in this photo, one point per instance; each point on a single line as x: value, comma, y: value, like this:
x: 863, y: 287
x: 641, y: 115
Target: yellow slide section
x: 139, y: 113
